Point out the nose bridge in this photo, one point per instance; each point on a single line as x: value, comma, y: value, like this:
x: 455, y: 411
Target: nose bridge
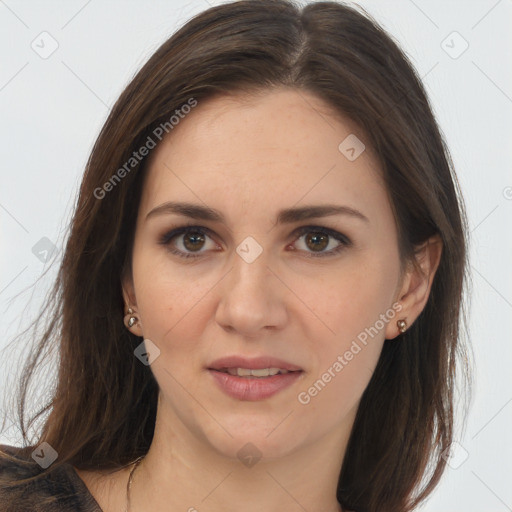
x: 250, y: 265
x: 250, y: 298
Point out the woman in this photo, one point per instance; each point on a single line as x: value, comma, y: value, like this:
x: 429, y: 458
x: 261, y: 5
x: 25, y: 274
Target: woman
x: 260, y: 296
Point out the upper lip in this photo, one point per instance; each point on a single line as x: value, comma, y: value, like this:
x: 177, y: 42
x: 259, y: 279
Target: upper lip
x: 255, y: 363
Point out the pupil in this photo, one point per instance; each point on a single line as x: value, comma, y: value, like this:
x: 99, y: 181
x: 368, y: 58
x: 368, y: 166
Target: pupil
x: 196, y: 238
x: 315, y: 238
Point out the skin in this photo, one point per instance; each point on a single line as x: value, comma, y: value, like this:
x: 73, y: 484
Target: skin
x: 249, y: 157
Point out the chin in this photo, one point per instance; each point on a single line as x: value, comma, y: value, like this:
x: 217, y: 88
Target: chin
x: 256, y: 438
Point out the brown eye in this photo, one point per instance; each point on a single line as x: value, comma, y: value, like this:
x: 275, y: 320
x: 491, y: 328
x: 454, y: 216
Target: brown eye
x: 188, y: 242
x: 317, y: 241
x: 193, y: 241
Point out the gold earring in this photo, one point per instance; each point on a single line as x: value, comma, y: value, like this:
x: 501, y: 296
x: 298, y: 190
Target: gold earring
x: 129, y: 319
x: 402, y: 325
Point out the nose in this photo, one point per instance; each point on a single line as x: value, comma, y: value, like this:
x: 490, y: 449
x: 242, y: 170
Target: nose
x: 252, y: 298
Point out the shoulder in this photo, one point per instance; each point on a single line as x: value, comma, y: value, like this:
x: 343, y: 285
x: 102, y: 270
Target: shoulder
x: 59, y: 489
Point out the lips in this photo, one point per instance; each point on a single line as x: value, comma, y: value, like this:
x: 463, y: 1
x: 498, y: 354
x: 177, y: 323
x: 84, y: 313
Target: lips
x: 256, y: 363
x: 252, y: 379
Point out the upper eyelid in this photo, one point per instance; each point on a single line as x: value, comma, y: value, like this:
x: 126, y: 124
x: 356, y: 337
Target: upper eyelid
x: 297, y: 232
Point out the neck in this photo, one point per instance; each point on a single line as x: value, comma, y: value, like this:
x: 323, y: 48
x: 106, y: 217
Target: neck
x: 182, y: 471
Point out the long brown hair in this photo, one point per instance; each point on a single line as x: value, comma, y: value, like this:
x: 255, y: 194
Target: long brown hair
x: 101, y: 413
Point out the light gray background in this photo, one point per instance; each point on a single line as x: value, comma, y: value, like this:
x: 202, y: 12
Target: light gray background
x: 52, y: 110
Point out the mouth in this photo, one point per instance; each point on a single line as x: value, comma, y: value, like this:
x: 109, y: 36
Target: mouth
x: 273, y: 365
x: 253, y: 379
x: 254, y: 373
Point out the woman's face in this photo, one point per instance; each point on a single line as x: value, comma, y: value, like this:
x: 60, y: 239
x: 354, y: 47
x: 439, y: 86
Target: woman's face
x: 316, y: 293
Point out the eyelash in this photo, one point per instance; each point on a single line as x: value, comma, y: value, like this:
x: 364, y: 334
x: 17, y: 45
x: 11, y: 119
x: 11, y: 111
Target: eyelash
x: 344, y: 240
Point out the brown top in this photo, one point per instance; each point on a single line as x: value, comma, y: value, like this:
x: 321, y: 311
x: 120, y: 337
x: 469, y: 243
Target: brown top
x: 63, y: 483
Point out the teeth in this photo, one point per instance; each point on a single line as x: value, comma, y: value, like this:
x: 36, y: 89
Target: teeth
x: 263, y: 372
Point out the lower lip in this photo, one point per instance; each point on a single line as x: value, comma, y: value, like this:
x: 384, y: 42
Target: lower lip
x: 256, y: 388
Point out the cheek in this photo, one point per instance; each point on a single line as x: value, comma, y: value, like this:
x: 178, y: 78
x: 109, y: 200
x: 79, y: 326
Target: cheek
x: 171, y: 302
x: 354, y: 307
x: 350, y: 299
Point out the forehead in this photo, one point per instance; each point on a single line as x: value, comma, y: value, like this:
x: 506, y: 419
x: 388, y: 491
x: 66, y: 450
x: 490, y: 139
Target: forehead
x: 273, y: 148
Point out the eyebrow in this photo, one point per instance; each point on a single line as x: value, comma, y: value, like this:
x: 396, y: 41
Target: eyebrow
x: 285, y: 216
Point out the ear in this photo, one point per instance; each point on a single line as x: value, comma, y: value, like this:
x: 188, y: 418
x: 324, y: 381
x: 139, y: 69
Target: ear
x: 417, y: 283
x: 130, y: 301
